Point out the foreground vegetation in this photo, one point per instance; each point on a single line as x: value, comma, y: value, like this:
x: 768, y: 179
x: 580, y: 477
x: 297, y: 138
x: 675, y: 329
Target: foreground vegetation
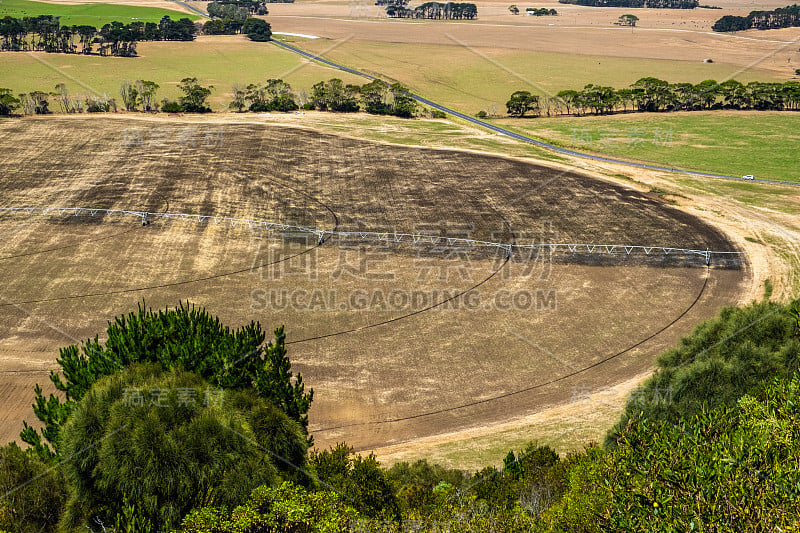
x: 148, y: 412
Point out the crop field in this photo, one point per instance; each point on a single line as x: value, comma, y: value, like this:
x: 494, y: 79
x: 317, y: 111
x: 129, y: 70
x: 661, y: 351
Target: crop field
x: 95, y: 14
x: 356, y: 313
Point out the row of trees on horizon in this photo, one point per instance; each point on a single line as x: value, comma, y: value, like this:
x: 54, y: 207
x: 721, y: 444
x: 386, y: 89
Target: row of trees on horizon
x: 378, y: 97
x: 782, y: 17
x: 656, y: 95
x: 653, y: 4
x: 44, y: 33
x: 430, y: 10
x: 375, y: 97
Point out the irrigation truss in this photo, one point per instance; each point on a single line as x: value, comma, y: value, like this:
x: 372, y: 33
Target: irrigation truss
x: 322, y: 236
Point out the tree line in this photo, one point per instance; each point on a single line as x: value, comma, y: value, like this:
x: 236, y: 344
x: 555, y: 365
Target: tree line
x: 375, y: 97
x: 139, y: 95
x: 432, y: 10
x: 253, y: 7
x: 782, y: 17
x: 655, y: 95
x: 654, y: 4
x: 44, y: 33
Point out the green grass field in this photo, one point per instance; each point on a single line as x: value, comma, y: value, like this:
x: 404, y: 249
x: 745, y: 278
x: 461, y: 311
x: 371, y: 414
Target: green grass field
x: 219, y: 61
x: 92, y: 14
x: 764, y: 144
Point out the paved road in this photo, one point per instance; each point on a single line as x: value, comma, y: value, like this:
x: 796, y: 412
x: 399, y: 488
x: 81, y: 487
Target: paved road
x: 191, y: 8
x: 524, y: 138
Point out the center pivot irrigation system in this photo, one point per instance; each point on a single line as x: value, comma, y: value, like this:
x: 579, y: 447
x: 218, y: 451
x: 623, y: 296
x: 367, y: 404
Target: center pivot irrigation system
x: 385, y: 237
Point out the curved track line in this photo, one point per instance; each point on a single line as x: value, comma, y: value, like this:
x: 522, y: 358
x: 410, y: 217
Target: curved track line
x: 48, y: 250
x: 152, y: 287
x: 433, y: 306
x: 534, y: 387
x: 402, y: 317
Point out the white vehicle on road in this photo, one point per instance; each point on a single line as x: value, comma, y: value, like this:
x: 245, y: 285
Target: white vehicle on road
x: 748, y: 177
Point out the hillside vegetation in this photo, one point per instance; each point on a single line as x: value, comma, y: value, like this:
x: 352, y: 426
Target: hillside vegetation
x: 719, y: 457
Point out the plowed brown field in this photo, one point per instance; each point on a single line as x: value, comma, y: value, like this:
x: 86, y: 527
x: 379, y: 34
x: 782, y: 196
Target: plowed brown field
x: 518, y: 336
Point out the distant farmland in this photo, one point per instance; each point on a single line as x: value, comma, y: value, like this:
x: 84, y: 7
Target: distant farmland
x: 90, y: 14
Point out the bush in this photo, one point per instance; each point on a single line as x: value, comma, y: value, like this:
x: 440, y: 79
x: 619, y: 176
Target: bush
x: 360, y: 480
x: 435, y: 113
x: 170, y: 106
x: 32, y: 495
x: 719, y: 362
x: 286, y: 508
x: 170, y: 442
x: 725, y: 469
x: 8, y: 102
x: 257, y: 30
x: 586, y: 496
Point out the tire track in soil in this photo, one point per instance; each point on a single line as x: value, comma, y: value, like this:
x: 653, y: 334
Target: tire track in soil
x: 533, y: 387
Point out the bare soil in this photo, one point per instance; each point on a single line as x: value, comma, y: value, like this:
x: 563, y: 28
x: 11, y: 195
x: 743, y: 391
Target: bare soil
x: 384, y: 373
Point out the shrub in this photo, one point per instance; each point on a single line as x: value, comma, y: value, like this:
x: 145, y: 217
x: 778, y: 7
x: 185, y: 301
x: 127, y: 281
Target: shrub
x: 719, y: 362
x: 286, y: 508
x: 170, y: 106
x: 170, y: 442
x: 32, y: 495
x: 360, y: 480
